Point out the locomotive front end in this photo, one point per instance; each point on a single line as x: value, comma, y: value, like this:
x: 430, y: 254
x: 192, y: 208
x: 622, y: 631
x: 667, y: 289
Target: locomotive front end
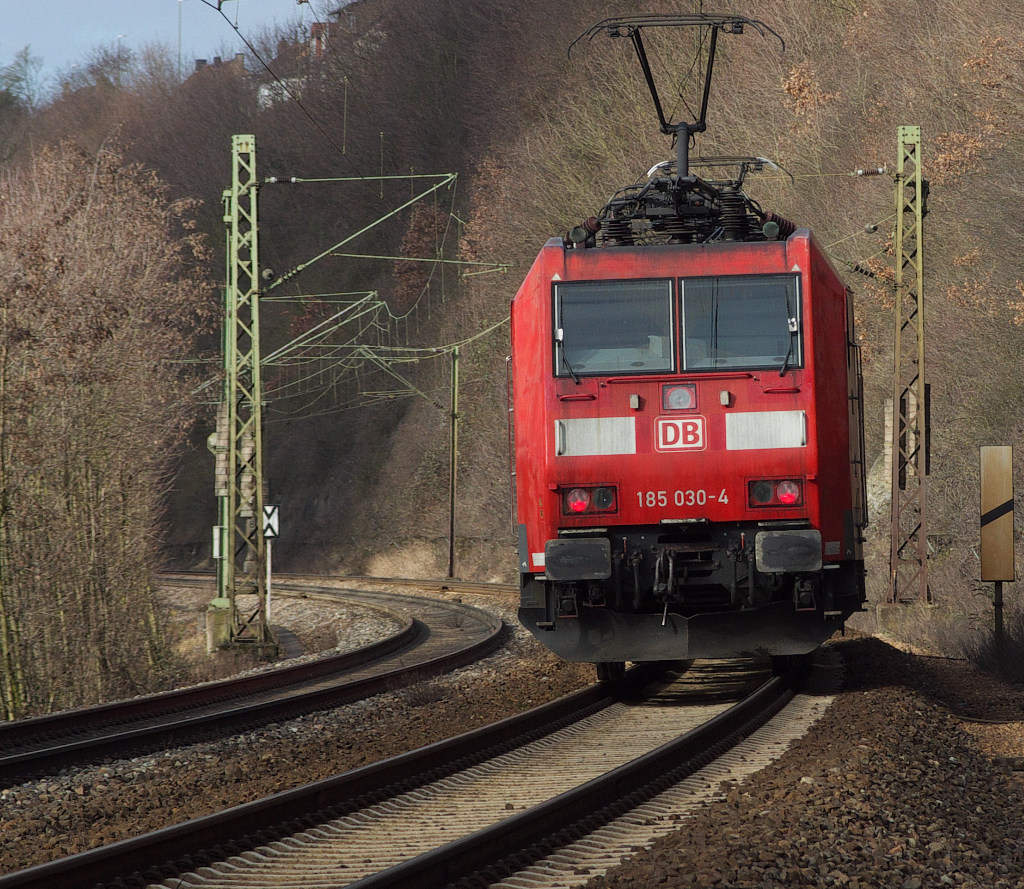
x: 689, y: 471
x: 688, y: 431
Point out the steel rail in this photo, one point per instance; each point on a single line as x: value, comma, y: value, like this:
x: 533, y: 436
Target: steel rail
x: 161, y: 703
x: 296, y: 582
x: 182, y: 847
x: 517, y: 842
x: 118, y: 729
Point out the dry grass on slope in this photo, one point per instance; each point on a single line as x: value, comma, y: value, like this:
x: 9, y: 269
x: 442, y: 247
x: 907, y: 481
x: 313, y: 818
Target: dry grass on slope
x: 851, y: 74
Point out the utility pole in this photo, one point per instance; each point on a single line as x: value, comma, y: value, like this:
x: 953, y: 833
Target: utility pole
x: 120, y: 37
x: 239, y: 438
x: 453, y: 465
x: 908, y: 558
x: 179, y: 40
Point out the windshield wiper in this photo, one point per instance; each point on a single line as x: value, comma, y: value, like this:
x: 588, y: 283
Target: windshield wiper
x: 568, y: 367
x: 559, y: 341
x: 789, y: 352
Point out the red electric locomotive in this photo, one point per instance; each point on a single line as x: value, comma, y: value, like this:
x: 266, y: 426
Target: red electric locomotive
x: 688, y: 431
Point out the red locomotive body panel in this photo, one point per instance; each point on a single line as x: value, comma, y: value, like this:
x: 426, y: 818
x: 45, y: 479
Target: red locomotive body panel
x: 694, y: 470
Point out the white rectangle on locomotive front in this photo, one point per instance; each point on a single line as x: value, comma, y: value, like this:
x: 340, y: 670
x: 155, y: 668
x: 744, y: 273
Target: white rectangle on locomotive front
x: 757, y: 430
x: 595, y: 436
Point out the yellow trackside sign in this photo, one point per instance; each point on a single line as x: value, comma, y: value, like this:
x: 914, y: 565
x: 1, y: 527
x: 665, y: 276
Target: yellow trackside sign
x: 997, y: 513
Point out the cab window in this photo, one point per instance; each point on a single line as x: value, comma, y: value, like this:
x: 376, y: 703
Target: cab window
x: 613, y: 328
x: 741, y: 322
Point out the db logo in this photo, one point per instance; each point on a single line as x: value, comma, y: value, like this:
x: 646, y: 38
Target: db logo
x: 678, y: 434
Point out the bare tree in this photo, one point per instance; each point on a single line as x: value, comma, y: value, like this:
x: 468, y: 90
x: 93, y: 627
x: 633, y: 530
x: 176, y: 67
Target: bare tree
x: 23, y: 78
x: 101, y: 293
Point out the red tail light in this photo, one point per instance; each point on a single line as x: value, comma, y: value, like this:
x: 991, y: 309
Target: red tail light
x: 588, y: 499
x: 577, y: 500
x: 788, y: 492
x: 773, y: 493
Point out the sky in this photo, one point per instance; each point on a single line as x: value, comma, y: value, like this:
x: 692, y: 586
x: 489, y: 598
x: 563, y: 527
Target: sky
x: 63, y: 32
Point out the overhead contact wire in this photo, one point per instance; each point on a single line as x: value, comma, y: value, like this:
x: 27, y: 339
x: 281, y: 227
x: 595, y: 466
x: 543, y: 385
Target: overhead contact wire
x: 216, y: 5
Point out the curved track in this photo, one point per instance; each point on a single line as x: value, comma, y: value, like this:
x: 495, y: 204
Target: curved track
x: 301, y: 582
x: 440, y: 637
x: 507, y: 794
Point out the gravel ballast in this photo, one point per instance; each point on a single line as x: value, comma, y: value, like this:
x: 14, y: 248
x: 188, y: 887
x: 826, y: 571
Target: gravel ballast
x: 888, y: 789
x: 893, y: 787
x: 87, y: 807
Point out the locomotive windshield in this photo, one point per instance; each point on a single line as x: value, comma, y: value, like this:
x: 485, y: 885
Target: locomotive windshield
x: 750, y: 321
x: 613, y: 327
x: 620, y: 328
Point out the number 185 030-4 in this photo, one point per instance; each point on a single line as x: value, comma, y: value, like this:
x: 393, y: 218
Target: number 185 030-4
x: 698, y: 497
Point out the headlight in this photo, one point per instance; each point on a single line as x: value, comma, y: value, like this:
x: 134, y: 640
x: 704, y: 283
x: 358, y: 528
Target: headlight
x: 676, y: 397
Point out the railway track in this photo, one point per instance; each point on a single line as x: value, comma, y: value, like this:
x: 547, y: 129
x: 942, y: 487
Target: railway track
x: 440, y: 637
x: 489, y: 802
x: 299, y: 582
